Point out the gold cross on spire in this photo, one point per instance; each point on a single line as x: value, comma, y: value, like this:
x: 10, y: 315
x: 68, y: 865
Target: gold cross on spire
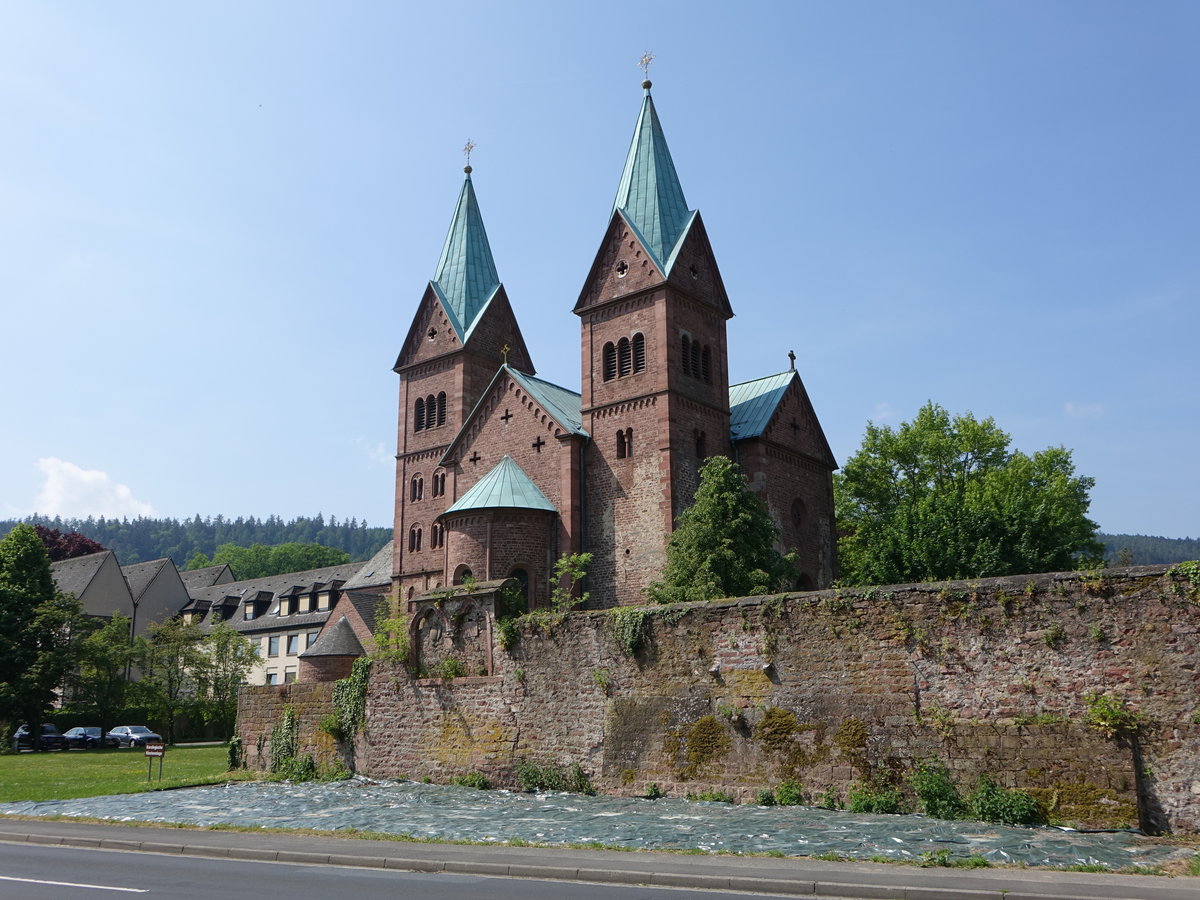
x: 644, y: 63
x: 505, y: 350
x: 467, y: 148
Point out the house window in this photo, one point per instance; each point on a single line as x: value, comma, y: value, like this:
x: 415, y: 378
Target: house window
x: 610, y: 361
x: 293, y: 644
x: 311, y: 638
x: 639, y: 352
x: 289, y: 676
x: 323, y: 601
x: 414, y: 539
x: 418, y: 488
x: 419, y: 415
x: 441, y: 408
x: 248, y: 611
x: 272, y: 678
x: 273, y: 645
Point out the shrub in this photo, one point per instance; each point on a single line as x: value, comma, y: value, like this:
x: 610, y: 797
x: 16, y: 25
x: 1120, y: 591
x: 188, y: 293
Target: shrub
x: 237, y: 753
x: 1112, y: 716
x: 789, y: 793
x: 874, y: 797
x: 764, y: 797
x: 992, y: 803
x: 534, y: 777
x: 936, y: 792
x: 654, y: 792
x: 475, y: 780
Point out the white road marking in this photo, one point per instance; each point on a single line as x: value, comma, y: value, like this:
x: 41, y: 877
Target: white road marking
x: 95, y: 887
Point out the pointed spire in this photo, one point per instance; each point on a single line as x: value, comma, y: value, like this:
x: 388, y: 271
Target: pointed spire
x: 466, y: 276
x: 650, y: 195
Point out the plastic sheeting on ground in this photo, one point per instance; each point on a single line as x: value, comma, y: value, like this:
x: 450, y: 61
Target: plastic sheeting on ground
x: 454, y: 813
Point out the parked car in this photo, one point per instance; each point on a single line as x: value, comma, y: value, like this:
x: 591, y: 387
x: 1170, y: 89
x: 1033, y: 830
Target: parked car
x: 48, y: 737
x: 133, y: 735
x: 88, y: 737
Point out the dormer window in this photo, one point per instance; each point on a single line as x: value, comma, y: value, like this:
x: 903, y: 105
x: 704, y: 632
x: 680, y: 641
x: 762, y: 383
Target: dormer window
x: 323, y: 601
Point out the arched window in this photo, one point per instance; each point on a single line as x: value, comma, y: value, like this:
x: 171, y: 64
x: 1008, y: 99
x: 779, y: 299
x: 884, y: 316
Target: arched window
x: 462, y: 574
x: 696, y: 358
x: 686, y: 353
x: 610, y: 361
x: 629, y: 442
x: 523, y: 577
x: 701, y: 444
x: 439, y: 484
x: 430, y: 411
x: 639, y: 352
x: 621, y: 451
x: 418, y: 488
x: 441, y: 406
x: 624, y: 357
x: 437, y: 536
x: 419, y: 415
x: 414, y: 539
x: 706, y: 365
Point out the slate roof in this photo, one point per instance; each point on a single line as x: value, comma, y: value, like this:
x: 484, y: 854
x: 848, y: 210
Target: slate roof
x: 340, y: 640
x: 650, y: 196
x: 752, y: 403
x: 365, y: 605
x: 506, y: 486
x: 375, y: 572
x: 140, y: 575
x: 72, y: 576
x: 206, y: 577
x: 466, y: 278
x: 276, y: 585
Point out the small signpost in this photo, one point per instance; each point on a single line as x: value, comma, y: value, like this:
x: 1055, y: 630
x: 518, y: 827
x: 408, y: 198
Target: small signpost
x: 154, y: 749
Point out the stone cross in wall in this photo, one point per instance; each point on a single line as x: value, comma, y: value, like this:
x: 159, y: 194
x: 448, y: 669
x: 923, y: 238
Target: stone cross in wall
x: 538, y: 444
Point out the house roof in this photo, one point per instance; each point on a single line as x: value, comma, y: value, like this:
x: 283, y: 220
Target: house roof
x: 466, y: 278
x: 206, y: 577
x: 375, y: 572
x: 649, y: 196
x: 506, y: 486
x: 72, y: 576
x: 274, y: 586
x: 366, y: 606
x: 140, y: 575
x: 752, y: 403
x: 340, y: 640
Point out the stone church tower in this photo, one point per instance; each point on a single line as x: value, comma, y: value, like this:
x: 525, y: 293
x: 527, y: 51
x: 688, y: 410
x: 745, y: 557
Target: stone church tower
x: 498, y: 473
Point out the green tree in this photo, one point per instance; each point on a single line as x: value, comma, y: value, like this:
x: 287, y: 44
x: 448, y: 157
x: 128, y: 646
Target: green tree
x: 227, y: 658
x: 97, y: 685
x: 39, y: 629
x: 944, y: 497
x: 170, y: 661
x: 260, y: 560
x: 724, y: 545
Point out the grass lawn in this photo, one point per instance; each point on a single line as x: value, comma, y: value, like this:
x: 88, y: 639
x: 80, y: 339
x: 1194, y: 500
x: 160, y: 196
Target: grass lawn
x: 66, y: 774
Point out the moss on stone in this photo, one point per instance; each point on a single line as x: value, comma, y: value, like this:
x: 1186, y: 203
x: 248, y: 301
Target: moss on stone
x: 1086, y: 805
x: 706, y: 741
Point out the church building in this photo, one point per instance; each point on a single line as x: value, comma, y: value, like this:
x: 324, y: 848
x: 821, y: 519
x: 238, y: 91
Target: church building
x: 499, y: 473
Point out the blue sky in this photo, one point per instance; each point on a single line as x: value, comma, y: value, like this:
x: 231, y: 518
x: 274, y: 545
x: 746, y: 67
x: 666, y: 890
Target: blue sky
x: 216, y: 222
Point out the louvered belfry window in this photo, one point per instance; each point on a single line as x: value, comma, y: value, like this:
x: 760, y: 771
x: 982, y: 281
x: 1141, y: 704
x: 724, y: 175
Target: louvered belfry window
x: 639, y: 352
x: 610, y: 361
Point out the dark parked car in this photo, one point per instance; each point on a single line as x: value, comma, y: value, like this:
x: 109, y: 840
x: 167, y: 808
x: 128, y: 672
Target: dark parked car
x: 133, y: 735
x: 88, y: 737
x: 48, y: 738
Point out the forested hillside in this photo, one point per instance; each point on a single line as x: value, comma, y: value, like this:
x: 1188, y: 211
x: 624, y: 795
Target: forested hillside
x: 1143, y: 550
x: 141, y: 539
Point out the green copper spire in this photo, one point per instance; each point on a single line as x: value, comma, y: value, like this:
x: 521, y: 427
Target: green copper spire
x: 650, y: 196
x: 466, y: 276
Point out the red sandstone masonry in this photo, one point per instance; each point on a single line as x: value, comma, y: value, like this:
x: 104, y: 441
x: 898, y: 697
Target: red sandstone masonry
x: 876, y: 680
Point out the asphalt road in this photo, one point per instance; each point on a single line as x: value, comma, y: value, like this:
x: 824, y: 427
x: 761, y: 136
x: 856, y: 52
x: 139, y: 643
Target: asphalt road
x: 183, y: 863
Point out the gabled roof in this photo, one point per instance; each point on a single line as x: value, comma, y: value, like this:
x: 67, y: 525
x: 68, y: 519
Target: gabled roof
x: 561, y: 404
x: 72, y: 576
x: 506, y: 486
x: 466, y: 278
x: 340, y: 640
x: 139, y: 576
x: 208, y: 576
x: 650, y: 197
x: 752, y: 403
x: 375, y: 572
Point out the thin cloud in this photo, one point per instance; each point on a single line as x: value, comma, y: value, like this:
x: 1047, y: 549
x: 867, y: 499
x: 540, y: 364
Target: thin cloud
x: 883, y: 412
x: 375, y: 452
x: 1083, y: 410
x: 73, y: 492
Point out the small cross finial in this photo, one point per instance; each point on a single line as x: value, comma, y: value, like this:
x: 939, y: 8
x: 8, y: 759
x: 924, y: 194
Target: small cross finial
x: 792, y: 358
x: 505, y: 350
x: 644, y: 65
x: 467, y: 148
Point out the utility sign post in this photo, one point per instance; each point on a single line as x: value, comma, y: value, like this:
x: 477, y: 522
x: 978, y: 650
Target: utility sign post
x: 153, y: 750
